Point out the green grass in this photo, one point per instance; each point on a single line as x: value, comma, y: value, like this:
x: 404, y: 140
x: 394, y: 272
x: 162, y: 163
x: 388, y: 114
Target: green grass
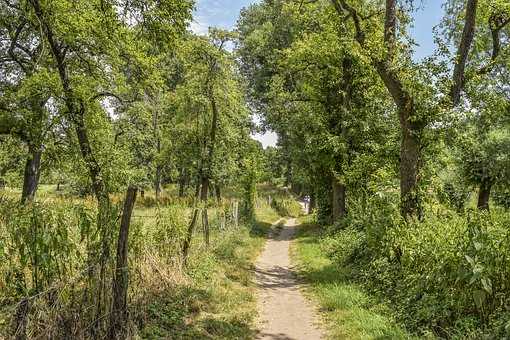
x: 213, y: 298
x: 348, y: 311
x: 218, y: 299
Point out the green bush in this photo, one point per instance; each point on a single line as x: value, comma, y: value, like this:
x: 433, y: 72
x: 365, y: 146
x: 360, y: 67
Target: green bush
x: 344, y: 247
x: 286, y: 207
x: 449, y: 274
x: 454, y: 195
x: 41, y: 244
x: 502, y: 196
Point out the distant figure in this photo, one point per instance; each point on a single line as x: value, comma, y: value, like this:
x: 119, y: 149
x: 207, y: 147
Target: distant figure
x: 307, y: 204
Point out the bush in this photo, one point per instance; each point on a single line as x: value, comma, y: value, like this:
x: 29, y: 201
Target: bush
x: 48, y: 254
x: 448, y: 274
x: 38, y: 242
x: 454, y: 195
x: 287, y: 207
x: 345, y: 246
x: 502, y: 197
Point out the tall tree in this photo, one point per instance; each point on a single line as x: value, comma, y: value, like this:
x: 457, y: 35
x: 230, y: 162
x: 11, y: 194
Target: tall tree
x: 386, y: 63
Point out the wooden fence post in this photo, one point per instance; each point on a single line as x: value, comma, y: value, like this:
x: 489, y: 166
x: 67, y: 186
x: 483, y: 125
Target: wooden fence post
x: 236, y: 213
x: 118, y: 321
x: 189, y: 235
x: 223, y: 220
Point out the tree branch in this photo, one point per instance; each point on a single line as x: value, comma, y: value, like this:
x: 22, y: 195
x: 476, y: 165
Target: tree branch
x: 341, y: 6
x: 106, y: 94
x: 390, y: 24
x: 468, y: 34
x: 402, y: 98
x: 496, y: 24
x: 14, y: 42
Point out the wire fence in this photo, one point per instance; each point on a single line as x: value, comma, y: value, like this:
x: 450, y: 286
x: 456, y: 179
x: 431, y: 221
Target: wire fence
x: 68, y: 306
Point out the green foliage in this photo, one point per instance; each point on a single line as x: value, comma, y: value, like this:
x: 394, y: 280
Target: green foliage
x: 454, y: 195
x: 286, y: 206
x: 116, y: 93
x: 446, y: 275
x: 486, y: 159
x: 37, y: 247
x: 351, y: 311
x: 502, y: 197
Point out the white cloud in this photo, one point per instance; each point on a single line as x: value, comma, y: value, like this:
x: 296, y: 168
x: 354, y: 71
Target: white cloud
x: 199, y: 26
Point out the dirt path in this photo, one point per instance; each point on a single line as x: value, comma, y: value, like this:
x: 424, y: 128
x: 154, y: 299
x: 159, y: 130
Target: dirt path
x: 284, y: 313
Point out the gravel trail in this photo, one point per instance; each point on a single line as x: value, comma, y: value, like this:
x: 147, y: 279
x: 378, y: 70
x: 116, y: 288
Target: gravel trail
x: 284, y: 313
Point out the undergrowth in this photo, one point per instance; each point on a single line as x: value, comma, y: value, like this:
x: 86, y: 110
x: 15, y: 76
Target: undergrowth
x: 46, y: 257
x: 350, y: 311
x: 445, y: 277
x: 216, y: 300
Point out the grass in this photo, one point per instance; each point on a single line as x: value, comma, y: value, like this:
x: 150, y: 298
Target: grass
x: 348, y: 311
x: 216, y: 300
x: 213, y: 298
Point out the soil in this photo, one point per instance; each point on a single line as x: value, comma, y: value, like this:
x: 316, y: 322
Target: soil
x: 284, y: 313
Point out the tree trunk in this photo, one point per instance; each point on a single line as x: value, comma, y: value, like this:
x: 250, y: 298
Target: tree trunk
x: 189, y: 235
x: 484, y: 194
x: 204, y: 192
x: 410, y: 159
x: 191, y: 228
x: 118, y: 320
x: 468, y: 34
x: 183, y: 181
x: 206, y: 171
x: 218, y: 193
x: 157, y: 182
x: 205, y: 222
x: 31, y: 175
x: 288, y: 174
x: 181, y: 188
x: 338, y: 204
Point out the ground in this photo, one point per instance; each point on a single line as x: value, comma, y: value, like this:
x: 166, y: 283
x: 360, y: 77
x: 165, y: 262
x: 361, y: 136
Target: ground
x: 284, y: 313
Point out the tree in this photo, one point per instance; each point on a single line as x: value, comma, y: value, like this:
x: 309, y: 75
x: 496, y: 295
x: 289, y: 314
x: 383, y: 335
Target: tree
x: 388, y: 63
x: 91, y: 44
x: 26, y: 87
x: 211, y: 97
x: 482, y: 144
x: 321, y: 98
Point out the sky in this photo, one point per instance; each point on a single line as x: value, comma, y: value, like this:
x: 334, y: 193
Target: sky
x: 224, y: 14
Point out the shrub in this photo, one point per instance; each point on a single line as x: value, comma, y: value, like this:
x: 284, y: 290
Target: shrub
x: 345, y: 246
x: 448, y: 274
x: 286, y: 207
x: 502, y: 197
x: 454, y: 195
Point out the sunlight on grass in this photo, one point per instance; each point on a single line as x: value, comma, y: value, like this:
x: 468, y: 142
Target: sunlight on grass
x: 349, y: 313
x: 219, y: 300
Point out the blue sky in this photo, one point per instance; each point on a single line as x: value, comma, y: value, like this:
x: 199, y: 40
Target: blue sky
x: 224, y: 14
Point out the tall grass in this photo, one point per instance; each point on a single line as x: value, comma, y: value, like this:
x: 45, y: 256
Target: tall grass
x: 49, y: 257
